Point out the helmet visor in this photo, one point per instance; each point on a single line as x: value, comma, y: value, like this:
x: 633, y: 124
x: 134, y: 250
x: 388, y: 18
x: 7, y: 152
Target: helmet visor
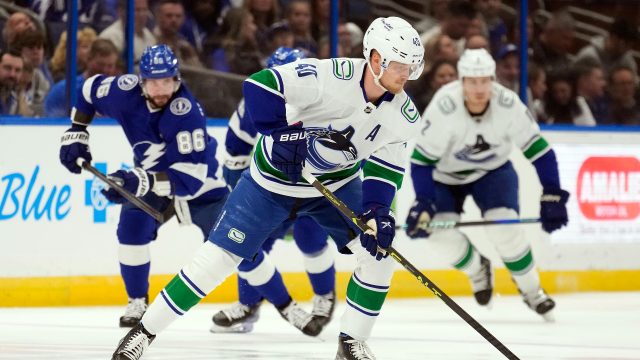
x: 412, y: 71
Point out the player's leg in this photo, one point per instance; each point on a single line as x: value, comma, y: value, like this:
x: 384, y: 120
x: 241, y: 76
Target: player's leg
x: 249, y: 216
x: 453, y: 246
x: 510, y: 241
x: 136, y: 230
x: 312, y: 240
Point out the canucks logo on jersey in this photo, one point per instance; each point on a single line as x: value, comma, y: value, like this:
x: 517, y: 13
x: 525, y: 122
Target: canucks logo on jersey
x: 328, y: 149
x: 477, y: 152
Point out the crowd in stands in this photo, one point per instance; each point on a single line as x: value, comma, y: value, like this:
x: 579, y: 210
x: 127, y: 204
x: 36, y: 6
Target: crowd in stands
x: 596, y: 85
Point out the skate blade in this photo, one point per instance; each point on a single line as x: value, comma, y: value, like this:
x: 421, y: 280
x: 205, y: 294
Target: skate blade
x: 233, y: 329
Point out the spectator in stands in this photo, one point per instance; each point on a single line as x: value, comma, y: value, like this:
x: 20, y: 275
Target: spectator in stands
x: 442, y: 72
x: 477, y: 27
x: 508, y: 67
x: 95, y: 13
x: 58, y: 63
x: 103, y: 59
x: 615, y: 49
x: 324, y: 48
x: 553, y: 46
x: 321, y: 19
x: 203, y: 17
x: 562, y: 106
x: 236, y: 46
x: 355, y: 35
x: 142, y: 36
x: 496, y: 27
x: 538, y: 88
x: 280, y: 35
x: 30, y: 44
x: 265, y: 13
x: 477, y: 41
x: 298, y: 14
x: 169, y: 16
x: 12, y: 100
x: 590, y: 84
x: 624, y: 108
x: 436, y: 11
x: 16, y: 23
x: 456, y: 23
x: 439, y: 47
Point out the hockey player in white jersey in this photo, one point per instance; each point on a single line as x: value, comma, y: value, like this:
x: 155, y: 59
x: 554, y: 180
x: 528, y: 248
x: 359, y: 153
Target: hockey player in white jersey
x: 463, y: 149
x: 327, y: 116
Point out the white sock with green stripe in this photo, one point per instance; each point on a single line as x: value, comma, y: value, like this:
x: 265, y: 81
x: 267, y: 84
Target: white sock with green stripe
x: 366, y: 293
x: 210, y: 266
x: 454, y: 247
x: 523, y: 270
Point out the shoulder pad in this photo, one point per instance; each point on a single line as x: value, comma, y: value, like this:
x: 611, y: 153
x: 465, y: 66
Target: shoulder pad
x: 180, y: 106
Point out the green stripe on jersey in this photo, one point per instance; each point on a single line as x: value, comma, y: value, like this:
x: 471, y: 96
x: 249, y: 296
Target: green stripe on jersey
x: 365, y: 298
x: 420, y: 158
x: 371, y: 169
x: 181, y: 294
x: 521, y: 264
x: 267, y: 78
x: 538, y: 147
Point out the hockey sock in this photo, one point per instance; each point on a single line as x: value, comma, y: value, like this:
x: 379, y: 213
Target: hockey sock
x: 523, y: 271
x: 135, y: 263
x: 247, y: 294
x: 469, y: 263
x: 266, y: 279
x: 321, y: 272
x: 208, y: 269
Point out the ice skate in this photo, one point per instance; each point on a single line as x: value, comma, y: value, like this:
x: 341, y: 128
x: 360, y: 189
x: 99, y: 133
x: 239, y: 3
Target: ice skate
x: 352, y: 349
x: 482, y: 283
x: 541, y: 303
x: 133, y: 313
x: 301, y: 319
x: 238, y: 318
x: 323, y: 306
x: 133, y: 344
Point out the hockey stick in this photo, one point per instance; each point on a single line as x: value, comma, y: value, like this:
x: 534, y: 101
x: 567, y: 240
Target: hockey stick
x: 454, y: 224
x: 412, y: 269
x: 161, y: 218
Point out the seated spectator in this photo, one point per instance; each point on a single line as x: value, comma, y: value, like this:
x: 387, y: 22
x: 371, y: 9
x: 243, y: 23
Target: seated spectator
x: 562, y: 106
x: 169, y: 19
x: 265, y: 13
x: 590, y: 84
x: 537, y: 79
x: 614, y: 49
x: 439, y: 47
x: 422, y: 90
x: 477, y: 41
x: 320, y: 19
x: 298, y: 15
x: 324, y: 49
x: 496, y: 27
x: 102, y: 59
x: 508, y: 67
x: 554, y: 44
x: 355, y: 35
x: 142, y: 37
x: 280, y: 35
x: 477, y: 27
x: 16, y: 23
x: 459, y: 17
x: 12, y: 100
x: 203, y: 17
x: 94, y: 13
x: 624, y: 108
x: 58, y: 62
x: 435, y: 12
x: 30, y: 44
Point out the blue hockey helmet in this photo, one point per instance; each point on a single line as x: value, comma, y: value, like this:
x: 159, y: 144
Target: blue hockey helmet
x: 284, y: 55
x: 157, y: 62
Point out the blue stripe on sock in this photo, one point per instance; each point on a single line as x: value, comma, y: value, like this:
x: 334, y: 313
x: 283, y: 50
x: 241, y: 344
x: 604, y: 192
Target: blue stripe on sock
x: 370, y: 285
x: 175, y: 310
x: 362, y: 311
x: 200, y: 292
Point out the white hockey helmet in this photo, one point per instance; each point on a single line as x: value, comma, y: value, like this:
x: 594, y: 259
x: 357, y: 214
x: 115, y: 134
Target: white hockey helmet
x: 476, y: 63
x: 396, y: 40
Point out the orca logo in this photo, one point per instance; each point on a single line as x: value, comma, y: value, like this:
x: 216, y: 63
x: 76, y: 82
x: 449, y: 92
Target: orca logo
x: 329, y: 149
x: 474, y: 153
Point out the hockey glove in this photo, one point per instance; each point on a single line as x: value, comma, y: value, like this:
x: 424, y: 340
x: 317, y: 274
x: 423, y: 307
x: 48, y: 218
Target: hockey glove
x: 233, y: 168
x: 420, y: 215
x: 383, y: 225
x: 74, y: 144
x: 553, y: 209
x: 136, y: 181
x: 289, y: 150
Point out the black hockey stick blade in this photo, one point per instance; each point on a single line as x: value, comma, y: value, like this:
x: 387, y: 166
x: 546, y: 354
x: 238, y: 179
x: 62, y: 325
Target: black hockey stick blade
x: 342, y: 207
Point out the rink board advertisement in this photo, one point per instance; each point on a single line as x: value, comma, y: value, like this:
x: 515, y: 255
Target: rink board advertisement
x: 57, y: 224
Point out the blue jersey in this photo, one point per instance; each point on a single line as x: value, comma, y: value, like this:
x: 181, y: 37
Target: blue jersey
x: 240, y: 139
x: 173, y: 139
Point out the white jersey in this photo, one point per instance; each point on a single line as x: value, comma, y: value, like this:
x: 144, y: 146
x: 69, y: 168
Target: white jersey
x: 329, y: 94
x: 464, y: 147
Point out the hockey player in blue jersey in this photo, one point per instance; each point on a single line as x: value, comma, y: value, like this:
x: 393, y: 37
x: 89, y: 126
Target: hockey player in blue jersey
x: 324, y: 117
x: 174, y: 159
x: 259, y: 279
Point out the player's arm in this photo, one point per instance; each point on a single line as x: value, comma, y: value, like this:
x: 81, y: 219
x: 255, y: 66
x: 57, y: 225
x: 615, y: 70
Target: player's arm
x: 525, y: 133
x: 240, y: 139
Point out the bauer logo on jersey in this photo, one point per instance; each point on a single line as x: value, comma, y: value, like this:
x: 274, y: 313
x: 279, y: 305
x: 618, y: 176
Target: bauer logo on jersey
x: 476, y: 153
x: 236, y: 235
x: 180, y: 106
x: 127, y: 82
x: 329, y: 149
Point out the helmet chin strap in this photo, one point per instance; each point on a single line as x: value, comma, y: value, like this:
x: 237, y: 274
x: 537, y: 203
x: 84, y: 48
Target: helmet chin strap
x: 376, y: 78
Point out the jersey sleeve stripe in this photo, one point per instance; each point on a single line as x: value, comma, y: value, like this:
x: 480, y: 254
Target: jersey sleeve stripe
x: 386, y: 164
x: 418, y: 158
x: 86, y: 88
x: 536, y: 149
x: 373, y: 170
x: 280, y: 83
x: 265, y: 87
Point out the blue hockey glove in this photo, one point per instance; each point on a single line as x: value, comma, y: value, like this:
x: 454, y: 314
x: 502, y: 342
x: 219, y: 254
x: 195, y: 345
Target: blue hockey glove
x: 420, y: 215
x: 233, y: 168
x: 553, y: 209
x: 381, y: 220
x: 136, y: 181
x: 74, y: 144
x: 289, y: 150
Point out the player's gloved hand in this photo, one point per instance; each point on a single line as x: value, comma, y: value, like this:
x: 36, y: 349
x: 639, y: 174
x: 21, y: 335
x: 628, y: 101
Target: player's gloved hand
x: 383, y: 230
x: 136, y: 181
x: 553, y: 209
x: 74, y: 144
x: 289, y: 150
x: 233, y: 168
x: 420, y: 215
